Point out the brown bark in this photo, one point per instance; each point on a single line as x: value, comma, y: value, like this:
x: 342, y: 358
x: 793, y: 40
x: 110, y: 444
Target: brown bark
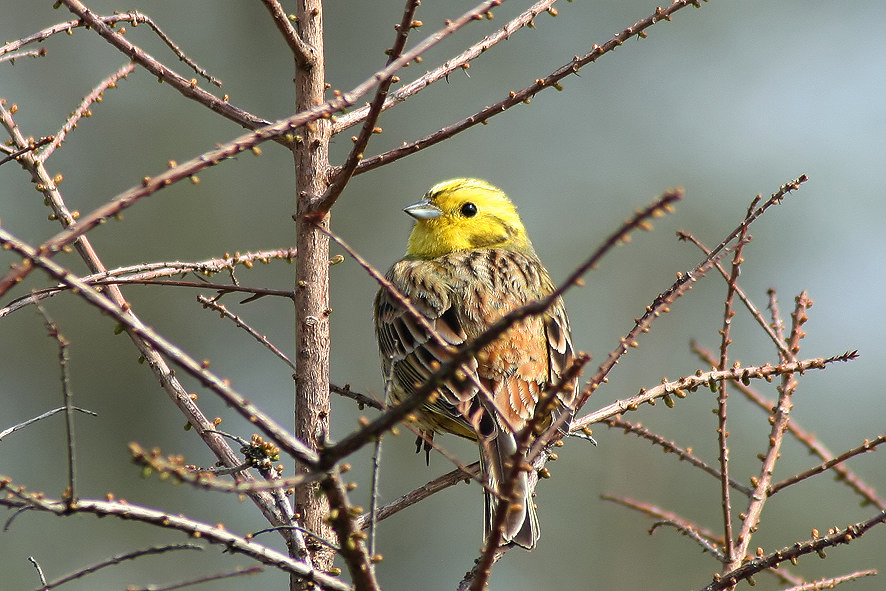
x: 312, y: 278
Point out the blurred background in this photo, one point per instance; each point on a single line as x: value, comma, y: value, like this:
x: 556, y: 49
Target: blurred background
x: 726, y: 101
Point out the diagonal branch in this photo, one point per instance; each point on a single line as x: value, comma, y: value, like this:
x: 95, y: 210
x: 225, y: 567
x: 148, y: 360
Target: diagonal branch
x: 356, y: 154
x: 351, y: 118
x: 866, y: 446
x: 670, y: 447
x: 114, y: 560
x: 187, y: 87
x: 525, y: 95
x: 817, y: 544
x: 83, y: 110
x: 779, y: 419
x: 662, y: 302
x: 305, y: 55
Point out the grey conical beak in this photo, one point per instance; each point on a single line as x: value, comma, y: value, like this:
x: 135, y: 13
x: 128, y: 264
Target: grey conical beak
x: 423, y: 210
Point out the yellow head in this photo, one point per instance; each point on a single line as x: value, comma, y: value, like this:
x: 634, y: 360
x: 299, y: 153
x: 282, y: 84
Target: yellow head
x: 464, y: 214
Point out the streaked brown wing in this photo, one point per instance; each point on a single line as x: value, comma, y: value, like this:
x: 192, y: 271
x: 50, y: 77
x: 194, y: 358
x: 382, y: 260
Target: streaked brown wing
x: 561, y: 355
x: 409, y: 354
x: 461, y: 295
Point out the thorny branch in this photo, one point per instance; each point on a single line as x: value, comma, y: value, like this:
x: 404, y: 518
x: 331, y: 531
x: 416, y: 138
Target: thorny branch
x: 723, y: 392
x: 816, y: 544
x: 671, y: 447
x: 844, y: 474
x: 679, y: 388
x: 525, y: 95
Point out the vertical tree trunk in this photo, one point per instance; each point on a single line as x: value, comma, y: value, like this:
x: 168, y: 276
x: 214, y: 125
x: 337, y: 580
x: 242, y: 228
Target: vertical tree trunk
x: 312, y: 279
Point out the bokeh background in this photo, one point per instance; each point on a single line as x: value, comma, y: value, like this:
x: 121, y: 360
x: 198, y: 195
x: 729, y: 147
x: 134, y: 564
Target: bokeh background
x: 726, y: 101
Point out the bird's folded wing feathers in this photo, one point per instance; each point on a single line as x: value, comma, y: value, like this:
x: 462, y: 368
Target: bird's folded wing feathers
x: 410, y: 355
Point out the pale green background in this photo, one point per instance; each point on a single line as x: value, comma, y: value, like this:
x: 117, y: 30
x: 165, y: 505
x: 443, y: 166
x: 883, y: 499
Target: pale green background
x: 727, y: 101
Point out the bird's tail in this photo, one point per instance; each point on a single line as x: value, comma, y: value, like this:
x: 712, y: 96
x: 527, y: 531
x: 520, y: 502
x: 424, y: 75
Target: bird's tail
x: 521, y: 524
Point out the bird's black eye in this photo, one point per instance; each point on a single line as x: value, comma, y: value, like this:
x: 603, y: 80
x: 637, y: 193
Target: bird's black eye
x: 469, y: 210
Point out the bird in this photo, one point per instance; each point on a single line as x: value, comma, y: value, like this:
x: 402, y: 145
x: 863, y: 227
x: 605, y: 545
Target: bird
x: 469, y: 261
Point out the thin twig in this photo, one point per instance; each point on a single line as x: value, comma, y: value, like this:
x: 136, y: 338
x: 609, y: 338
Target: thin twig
x: 777, y: 324
x: 755, y: 312
x: 85, y: 108
x: 689, y: 532
x: 514, y: 98
x: 225, y: 313
x: 47, y: 414
x: 11, y: 57
x: 868, y: 445
x: 682, y: 386
x: 52, y: 329
x: 32, y: 146
x: 816, y: 544
x: 710, y: 538
x: 671, y: 447
x: 114, y: 560
x: 305, y: 55
x: 18, y: 497
x: 831, y: 582
x: 344, y: 173
x: 237, y: 572
x: 249, y: 411
x: 373, y: 497
x: 412, y: 497
x: 36, y: 564
x: 723, y: 392
x: 346, y: 120
x: 362, y: 399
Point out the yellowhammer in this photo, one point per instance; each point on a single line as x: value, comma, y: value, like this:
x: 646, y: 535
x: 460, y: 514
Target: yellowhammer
x: 469, y: 262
